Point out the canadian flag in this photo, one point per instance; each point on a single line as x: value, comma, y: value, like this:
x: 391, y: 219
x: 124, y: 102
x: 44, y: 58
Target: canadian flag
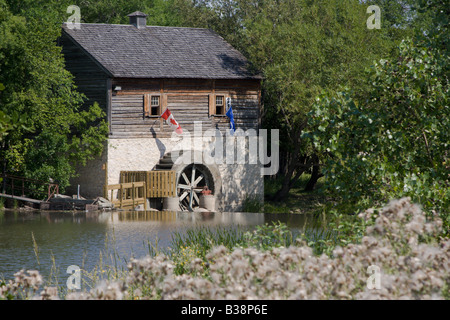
x: 167, y: 115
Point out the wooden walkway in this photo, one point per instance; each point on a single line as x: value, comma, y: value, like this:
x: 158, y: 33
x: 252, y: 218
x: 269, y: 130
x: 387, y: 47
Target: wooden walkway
x: 20, y: 189
x: 14, y: 187
x: 25, y: 199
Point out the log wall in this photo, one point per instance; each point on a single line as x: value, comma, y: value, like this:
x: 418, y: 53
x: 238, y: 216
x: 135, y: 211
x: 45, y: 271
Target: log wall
x: 189, y: 101
x: 90, y: 78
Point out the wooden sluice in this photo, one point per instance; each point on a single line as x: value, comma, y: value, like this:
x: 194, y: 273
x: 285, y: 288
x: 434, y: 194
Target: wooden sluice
x: 160, y: 184
x: 136, y: 187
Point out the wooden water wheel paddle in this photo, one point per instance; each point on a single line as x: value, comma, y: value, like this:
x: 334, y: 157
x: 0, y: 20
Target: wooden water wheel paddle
x: 191, y: 183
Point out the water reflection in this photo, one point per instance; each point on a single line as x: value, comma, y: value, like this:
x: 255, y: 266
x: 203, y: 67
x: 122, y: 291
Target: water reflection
x: 191, y: 218
x: 82, y: 238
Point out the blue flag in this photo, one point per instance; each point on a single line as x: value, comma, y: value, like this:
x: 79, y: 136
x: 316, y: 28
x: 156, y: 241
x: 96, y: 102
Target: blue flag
x: 231, y: 116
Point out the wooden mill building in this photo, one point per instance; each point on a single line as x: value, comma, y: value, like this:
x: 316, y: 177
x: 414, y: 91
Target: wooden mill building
x: 135, y: 72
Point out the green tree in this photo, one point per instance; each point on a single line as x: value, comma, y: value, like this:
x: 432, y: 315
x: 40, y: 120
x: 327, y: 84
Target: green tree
x: 39, y: 97
x: 396, y: 142
x: 303, y: 47
x: 5, y: 125
x: 182, y: 13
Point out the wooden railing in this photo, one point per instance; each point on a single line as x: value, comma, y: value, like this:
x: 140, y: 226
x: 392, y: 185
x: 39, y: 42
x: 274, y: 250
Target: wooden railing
x: 160, y: 184
x: 125, y: 195
x: 30, y: 188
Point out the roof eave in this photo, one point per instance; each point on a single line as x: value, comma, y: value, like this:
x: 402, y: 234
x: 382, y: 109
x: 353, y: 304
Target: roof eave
x: 186, y: 77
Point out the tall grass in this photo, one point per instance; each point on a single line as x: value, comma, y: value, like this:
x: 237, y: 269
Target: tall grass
x: 35, y: 248
x: 253, y: 205
x: 207, y: 238
x: 111, y: 265
x: 188, y: 245
x: 198, y: 242
x: 195, y: 243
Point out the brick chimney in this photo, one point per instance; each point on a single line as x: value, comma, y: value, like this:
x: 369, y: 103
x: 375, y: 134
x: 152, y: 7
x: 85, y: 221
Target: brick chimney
x: 138, y: 19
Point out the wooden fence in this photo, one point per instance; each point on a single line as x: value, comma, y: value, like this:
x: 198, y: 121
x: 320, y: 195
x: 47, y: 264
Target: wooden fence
x: 128, y: 194
x: 160, y: 184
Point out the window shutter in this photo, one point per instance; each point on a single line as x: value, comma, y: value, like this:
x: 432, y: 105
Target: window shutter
x: 163, y: 103
x: 212, y: 104
x: 212, y: 99
x: 147, y: 101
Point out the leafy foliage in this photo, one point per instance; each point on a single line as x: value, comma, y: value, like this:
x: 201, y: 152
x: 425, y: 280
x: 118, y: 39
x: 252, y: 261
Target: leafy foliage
x: 396, y: 142
x: 303, y: 47
x: 180, y: 13
x: 47, y: 133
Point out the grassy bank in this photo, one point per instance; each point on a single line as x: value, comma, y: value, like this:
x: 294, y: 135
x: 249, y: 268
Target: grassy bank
x: 400, y: 241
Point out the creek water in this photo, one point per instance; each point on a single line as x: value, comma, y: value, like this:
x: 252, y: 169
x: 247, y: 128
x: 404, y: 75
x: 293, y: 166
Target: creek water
x: 52, y: 241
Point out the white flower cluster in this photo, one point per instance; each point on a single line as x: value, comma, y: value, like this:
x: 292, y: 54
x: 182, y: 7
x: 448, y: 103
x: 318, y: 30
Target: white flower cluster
x: 104, y: 291
x: 409, y: 269
x: 401, y: 243
x: 24, y: 284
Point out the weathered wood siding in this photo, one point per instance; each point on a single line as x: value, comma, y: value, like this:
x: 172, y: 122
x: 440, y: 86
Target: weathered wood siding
x: 90, y: 78
x: 189, y: 101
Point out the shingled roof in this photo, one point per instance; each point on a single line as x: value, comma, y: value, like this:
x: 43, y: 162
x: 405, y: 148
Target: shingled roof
x: 125, y: 51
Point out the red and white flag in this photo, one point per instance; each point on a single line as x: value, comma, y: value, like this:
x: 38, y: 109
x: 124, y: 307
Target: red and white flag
x: 171, y: 121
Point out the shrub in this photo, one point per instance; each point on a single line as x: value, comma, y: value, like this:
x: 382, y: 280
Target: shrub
x: 252, y: 204
x: 393, y: 142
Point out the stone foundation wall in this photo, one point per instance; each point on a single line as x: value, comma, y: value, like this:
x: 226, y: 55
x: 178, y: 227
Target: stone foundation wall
x: 135, y: 155
x: 238, y: 181
x: 91, y: 178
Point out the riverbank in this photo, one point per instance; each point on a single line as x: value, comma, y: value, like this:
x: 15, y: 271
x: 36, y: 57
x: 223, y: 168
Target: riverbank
x: 37, y: 240
x: 399, y: 256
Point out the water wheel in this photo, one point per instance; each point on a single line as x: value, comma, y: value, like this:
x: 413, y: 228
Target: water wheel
x: 191, y: 180
x: 191, y: 183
